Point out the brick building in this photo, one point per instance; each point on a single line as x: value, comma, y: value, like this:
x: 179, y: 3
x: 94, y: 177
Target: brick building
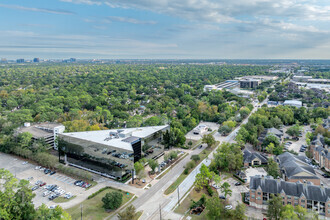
x: 307, y: 195
x: 320, y: 152
x: 294, y: 168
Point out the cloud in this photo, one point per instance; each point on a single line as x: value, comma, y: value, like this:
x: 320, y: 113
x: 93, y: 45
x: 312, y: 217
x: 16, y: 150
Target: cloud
x: 129, y: 20
x: 83, y: 46
x: 224, y: 11
x: 43, y: 10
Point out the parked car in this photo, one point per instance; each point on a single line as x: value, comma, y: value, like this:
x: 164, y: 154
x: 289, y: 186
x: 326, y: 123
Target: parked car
x: 222, y: 197
x: 37, y: 168
x: 46, y: 171
x: 25, y: 162
x: 238, y: 183
x: 52, y: 173
x: 228, y: 207
x: 46, y: 193
x: 42, y: 184
x: 200, y: 146
x: 38, y: 182
x: 35, y: 188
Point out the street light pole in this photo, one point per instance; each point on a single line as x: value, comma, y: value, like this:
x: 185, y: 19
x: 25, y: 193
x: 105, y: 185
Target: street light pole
x: 81, y: 211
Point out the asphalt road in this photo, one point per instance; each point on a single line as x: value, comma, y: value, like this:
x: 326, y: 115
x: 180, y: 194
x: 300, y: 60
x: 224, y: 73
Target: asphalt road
x: 153, y: 200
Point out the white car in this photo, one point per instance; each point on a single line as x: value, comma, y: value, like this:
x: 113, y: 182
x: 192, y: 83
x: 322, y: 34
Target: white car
x: 46, y: 193
x: 228, y: 207
x: 25, y: 162
x: 37, y: 168
x: 52, y: 206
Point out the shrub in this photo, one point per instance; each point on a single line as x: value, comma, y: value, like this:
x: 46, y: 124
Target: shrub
x: 189, y: 143
x: 186, y: 171
x: 191, y: 164
x: 97, y: 192
x: 209, y: 190
x: 195, y: 157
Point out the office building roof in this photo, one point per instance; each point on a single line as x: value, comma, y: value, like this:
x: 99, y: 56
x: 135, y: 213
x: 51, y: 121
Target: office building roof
x: 119, y: 138
x: 292, y: 102
x: 39, y: 130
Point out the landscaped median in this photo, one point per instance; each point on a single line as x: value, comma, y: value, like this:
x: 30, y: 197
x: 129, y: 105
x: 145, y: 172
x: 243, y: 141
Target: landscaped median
x: 184, y: 174
x: 92, y: 208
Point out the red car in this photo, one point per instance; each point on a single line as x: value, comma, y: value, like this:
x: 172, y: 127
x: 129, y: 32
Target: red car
x: 42, y: 184
x: 84, y: 186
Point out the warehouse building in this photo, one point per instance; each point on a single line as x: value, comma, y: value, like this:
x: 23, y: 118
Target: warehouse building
x: 111, y: 153
x: 294, y: 103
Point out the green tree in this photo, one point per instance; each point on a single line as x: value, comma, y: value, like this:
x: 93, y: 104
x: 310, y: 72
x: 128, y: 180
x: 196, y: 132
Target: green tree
x: 44, y: 213
x: 112, y: 200
x: 203, y: 177
x: 294, y: 130
x: 225, y: 188
x: 224, y: 130
x: 288, y: 213
x: 270, y: 148
x: 208, y: 139
x: 301, y: 212
x: 195, y: 157
x: 215, y: 208
x: 274, y: 207
x: 244, y: 112
x: 272, y: 168
x: 153, y: 164
x: 138, y: 167
x: 128, y: 214
x: 25, y: 139
x: 239, y: 212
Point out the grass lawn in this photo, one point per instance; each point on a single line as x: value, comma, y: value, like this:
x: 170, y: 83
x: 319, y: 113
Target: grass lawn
x: 62, y: 199
x: 180, y: 179
x: 139, y: 214
x: 185, y: 204
x: 92, y: 208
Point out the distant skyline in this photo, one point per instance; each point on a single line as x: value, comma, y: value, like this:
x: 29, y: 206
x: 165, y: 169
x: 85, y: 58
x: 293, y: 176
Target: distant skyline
x: 165, y: 29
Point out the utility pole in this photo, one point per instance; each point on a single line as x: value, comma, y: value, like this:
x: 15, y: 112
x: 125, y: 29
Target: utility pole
x: 160, y: 212
x: 178, y: 196
x: 81, y: 212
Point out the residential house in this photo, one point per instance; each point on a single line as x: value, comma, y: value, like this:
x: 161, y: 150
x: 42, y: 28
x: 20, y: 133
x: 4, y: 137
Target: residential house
x: 253, y: 158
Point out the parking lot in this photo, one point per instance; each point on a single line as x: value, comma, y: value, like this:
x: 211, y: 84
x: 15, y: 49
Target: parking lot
x: 27, y: 171
x: 213, y: 126
x: 236, y: 197
x: 295, y: 146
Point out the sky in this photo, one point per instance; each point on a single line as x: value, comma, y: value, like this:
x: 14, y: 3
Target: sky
x: 165, y: 29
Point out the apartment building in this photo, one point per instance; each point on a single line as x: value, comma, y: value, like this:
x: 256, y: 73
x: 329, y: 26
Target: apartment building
x: 307, y: 195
